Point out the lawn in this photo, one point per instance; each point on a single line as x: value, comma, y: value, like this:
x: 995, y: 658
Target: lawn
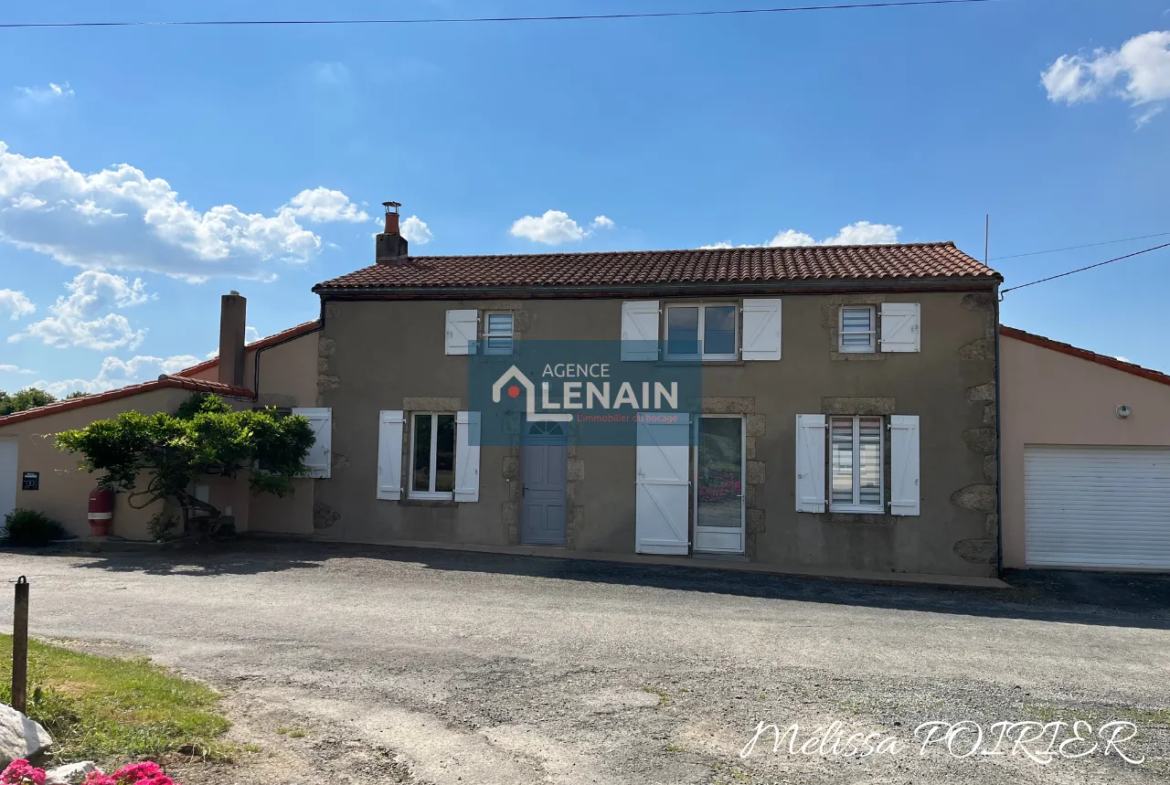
x: 114, y: 710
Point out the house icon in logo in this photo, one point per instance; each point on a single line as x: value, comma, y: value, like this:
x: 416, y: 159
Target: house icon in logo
x: 517, y: 376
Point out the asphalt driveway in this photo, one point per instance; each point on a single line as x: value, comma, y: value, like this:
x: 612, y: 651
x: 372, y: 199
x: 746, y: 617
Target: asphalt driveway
x: 439, y: 667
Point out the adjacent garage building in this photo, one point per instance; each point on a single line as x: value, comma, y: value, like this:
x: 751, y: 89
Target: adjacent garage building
x: 1085, y: 457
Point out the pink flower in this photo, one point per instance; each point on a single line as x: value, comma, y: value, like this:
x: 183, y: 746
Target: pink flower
x: 97, y: 778
x: 21, y: 772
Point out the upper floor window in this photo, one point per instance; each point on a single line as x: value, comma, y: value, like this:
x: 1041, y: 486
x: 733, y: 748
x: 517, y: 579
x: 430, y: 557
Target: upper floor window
x: 498, y: 333
x: 858, y: 329
x: 432, y: 456
x: 701, y: 332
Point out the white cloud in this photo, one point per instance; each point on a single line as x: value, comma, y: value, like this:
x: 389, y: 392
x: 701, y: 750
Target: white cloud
x: 416, y: 231
x: 251, y: 334
x: 1142, y: 64
x: 119, y: 219
x: 1123, y: 359
x: 556, y: 227
x: 6, y: 368
x: 116, y: 372
x: 43, y: 95
x: 75, y: 319
x: 329, y: 74
x: 322, y: 205
x: 860, y: 233
x: 790, y: 238
x: 865, y: 233
x: 15, y: 303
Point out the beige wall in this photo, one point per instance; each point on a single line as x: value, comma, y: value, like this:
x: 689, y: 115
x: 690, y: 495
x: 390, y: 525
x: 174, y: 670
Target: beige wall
x: 64, y: 488
x: 377, y: 354
x: 1049, y: 397
x: 288, y: 372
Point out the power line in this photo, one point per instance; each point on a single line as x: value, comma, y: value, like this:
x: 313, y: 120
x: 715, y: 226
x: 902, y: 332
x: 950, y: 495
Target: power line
x: 562, y: 18
x: 1077, y: 247
x: 1082, y: 269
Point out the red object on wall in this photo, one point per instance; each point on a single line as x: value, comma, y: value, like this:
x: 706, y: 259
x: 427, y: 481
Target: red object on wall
x: 101, y: 512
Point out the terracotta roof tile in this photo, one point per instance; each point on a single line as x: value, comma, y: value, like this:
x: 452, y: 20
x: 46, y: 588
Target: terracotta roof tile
x: 729, y: 265
x: 164, y: 381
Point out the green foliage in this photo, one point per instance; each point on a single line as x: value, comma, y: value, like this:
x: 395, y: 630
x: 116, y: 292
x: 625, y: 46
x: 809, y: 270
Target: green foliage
x: 76, y: 394
x: 162, y: 526
x: 29, y: 527
x: 28, y: 398
x: 205, y: 437
x: 107, y: 709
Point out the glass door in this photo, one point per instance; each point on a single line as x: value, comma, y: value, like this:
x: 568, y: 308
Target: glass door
x: 719, y: 490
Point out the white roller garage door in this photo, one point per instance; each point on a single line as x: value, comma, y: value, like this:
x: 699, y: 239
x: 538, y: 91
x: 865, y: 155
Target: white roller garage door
x: 1104, y: 507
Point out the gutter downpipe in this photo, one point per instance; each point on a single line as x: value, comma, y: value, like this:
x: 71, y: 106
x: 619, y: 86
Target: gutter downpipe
x: 998, y: 446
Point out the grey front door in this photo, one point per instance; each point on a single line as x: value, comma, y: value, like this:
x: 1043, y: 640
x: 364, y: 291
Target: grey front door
x: 543, y: 465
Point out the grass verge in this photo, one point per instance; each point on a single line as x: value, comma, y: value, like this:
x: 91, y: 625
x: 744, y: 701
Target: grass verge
x: 103, y: 709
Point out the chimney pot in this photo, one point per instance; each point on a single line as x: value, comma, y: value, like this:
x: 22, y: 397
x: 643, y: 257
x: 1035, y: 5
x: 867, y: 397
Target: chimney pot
x: 390, y: 246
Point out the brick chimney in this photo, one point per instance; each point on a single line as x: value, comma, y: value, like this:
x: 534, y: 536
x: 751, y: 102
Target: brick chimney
x: 232, y: 317
x: 390, y: 246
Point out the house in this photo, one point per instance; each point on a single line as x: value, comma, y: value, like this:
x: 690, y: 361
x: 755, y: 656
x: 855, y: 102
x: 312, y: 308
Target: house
x: 35, y: 475
x: 817, y: 408
x: 1085, y: 458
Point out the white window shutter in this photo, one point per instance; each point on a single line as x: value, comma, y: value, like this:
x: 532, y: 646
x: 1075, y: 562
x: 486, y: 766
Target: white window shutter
x: 662, y: 487
x: 810, y: 463
x: 900, y: 327
x: 390, y: 455
x: 319, y: 460
x: 462, y: 331
x: 761, y: 329
x: 467, y: 433
x: 904, y: 484
x: 640, y: 330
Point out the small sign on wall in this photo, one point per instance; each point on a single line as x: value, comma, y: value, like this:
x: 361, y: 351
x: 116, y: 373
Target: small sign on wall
x: 30, y: 481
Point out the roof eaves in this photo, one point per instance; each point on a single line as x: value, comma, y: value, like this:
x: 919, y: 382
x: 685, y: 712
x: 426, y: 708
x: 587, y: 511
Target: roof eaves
x: 810, y: 285
x: 1084, y: 354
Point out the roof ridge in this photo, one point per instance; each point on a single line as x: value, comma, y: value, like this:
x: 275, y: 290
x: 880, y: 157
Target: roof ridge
x: 927, y: 243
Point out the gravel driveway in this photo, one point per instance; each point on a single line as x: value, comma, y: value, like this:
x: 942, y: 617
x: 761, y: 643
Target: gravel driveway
x: 439, y: 667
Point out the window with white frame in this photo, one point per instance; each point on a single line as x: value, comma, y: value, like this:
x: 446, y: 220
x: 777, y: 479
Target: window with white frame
x: 498, y: 333
x: 432, y: 456
x: 855, y: 464
x: 858, y: 329
x: 701, y: 332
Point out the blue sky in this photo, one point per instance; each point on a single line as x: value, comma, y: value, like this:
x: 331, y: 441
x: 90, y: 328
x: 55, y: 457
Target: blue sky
x: 274, y: 141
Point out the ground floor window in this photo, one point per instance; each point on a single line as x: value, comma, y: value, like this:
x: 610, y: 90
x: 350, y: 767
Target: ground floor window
x: 855, y: 464
x: 432, y: 456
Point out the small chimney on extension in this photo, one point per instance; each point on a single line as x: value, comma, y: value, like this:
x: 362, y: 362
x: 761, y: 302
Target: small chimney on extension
x: 390, y: 246
x: 232, y: 316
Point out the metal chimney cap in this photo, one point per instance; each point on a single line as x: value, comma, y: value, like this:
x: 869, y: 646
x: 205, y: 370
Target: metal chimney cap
x: 389, y: 205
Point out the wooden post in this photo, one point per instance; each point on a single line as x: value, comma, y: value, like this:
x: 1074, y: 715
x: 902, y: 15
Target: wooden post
x: 20, y: 647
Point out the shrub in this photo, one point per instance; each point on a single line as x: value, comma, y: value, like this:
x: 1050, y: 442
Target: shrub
x: 162, y: 526
x: 29, y: 527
